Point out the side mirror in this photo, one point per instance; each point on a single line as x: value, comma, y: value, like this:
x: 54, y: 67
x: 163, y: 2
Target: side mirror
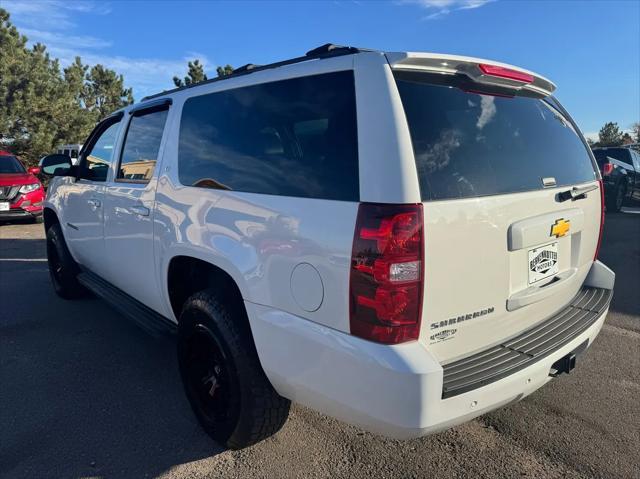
x: 56, y: 165
x: 34, y: 170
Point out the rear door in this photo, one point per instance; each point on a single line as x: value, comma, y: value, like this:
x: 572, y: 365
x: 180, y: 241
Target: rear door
x: 129, y: 205
x: 505, y: 247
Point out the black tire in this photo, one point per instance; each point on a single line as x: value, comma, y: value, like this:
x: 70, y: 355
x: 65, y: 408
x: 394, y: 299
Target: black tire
x: 229, y: 392
x: 63, y: 270
x: 616, y: 200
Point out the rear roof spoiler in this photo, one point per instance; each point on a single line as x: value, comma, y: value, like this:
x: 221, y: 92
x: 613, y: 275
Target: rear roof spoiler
x: 480, y: 71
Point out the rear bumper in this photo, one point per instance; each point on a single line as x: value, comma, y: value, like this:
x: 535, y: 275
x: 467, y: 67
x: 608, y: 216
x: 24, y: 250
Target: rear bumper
x: 398, y: 390
x: 529, y: 347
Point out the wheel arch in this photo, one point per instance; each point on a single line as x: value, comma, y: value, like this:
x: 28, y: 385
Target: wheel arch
x: 187, y: 274
x: 50, y: 218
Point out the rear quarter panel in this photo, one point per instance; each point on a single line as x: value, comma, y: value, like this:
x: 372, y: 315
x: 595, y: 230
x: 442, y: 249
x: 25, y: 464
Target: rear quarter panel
x: 258, y: 239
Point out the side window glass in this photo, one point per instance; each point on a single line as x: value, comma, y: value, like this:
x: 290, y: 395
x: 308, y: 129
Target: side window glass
x: 141, y: 146
x: 295, y: 137
x: 100, y: 155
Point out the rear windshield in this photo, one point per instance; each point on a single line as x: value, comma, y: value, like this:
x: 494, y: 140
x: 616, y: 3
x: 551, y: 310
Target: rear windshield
x: 10, y: 164
x: 468, y: 144
x: 620, y: 154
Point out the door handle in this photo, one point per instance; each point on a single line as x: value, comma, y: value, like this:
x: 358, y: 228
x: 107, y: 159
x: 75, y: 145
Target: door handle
x: 94, y: 203
x: 139, y: 210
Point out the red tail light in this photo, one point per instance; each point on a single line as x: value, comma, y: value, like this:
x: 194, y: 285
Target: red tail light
x: 601, y: 219
x: 387, y: 273
x: 607, y: 168
x: 502, y: 72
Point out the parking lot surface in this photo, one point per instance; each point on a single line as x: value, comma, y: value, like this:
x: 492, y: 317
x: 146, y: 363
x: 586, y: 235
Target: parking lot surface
x: 85, y: 393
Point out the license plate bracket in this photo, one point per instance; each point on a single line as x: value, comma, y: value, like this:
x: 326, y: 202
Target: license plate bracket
x: 543, y: 262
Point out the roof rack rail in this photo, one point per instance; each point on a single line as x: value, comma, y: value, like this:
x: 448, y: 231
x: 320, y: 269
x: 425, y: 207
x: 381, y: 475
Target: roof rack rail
x: 325, y: 51
x: 246, y: 68
x: 332, y: 49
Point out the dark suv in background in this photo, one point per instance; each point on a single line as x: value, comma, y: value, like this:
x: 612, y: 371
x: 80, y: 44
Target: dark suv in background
x: 620, y: 167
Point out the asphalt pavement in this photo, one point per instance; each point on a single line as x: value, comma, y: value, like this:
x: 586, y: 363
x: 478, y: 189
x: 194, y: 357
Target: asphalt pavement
x: 86, y: 393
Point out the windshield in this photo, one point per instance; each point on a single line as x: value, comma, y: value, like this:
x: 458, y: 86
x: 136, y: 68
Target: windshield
x: 468, y: 144
x: 10, y: 164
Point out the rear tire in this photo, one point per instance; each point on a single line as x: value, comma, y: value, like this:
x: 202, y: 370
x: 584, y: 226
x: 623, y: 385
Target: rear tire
x: 614, y: 202
x: 229, y: 392
x: 62, y: 267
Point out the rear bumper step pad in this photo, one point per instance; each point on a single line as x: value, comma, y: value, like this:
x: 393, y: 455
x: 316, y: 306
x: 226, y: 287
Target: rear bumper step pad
x: 527, y: 348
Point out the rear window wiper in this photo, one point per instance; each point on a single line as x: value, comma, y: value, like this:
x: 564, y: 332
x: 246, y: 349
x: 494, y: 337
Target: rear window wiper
x: 576, y: 193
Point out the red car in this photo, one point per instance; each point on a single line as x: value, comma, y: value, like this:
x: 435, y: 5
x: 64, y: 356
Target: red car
x: 21, y: 193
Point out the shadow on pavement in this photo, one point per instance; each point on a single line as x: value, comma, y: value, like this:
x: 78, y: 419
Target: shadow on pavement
x: 83, y: 392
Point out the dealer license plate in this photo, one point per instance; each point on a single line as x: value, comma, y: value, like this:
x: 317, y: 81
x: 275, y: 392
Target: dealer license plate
x: 543, y: 262
x: 4, y: 206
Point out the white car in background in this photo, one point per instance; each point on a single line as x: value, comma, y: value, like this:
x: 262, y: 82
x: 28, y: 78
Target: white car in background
x: 403, y: 241
x: 72, y: 151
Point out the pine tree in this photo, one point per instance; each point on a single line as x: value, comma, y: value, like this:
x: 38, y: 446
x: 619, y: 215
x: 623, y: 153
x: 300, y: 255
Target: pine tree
x: 195, y: 74
x: 106, y: 91
x: 225, y: 70
x: 610, y: 135
x: 635, y: 131
x: 42, y: 107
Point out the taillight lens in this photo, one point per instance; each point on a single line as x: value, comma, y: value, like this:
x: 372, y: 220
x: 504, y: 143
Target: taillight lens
x: 601, y: 219
x: 502, y: 72
x: 607, y: 168
x: 386, y: 281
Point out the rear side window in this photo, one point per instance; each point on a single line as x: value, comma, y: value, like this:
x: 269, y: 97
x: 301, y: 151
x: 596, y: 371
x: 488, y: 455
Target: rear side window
x: 467, y: 144
x: 141, y: 146
x: 291, y: 138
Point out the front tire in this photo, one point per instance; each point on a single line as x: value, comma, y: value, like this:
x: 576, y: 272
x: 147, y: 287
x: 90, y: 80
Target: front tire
x: 229, y: 392
x: 63, y: 270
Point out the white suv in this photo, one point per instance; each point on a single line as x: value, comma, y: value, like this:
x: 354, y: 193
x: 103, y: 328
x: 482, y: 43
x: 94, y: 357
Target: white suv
x: 401, y: 240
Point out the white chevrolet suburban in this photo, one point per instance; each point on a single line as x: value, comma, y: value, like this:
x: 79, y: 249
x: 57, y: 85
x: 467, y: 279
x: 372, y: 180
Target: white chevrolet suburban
x: 403, y: 241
